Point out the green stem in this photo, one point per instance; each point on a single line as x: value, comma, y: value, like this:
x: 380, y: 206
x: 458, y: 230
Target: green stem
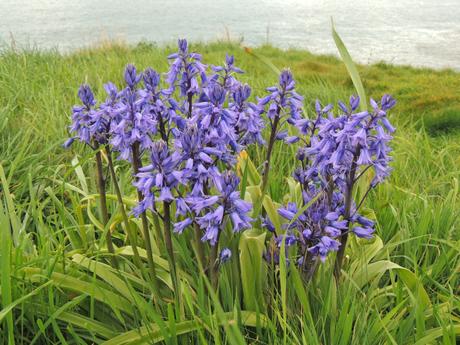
x: 131, y: 235
x: 169, y: 247
x: 258, y: 209
x: 103, y: 205
x: 137, y: 164
x: 199, y: 247
x: 271, y: 143
x: 158, y: 234
x: 214, y: 266
x: 214, y: 260
x: 347, y: 211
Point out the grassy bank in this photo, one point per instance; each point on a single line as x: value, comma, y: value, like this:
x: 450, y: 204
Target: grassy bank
x: 49, y: 296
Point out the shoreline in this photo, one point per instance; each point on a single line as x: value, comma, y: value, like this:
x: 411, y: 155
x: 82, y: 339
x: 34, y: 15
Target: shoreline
x: 110, y: 44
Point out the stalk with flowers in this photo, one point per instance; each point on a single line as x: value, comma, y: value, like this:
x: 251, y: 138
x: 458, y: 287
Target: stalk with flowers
x: 183, y: 137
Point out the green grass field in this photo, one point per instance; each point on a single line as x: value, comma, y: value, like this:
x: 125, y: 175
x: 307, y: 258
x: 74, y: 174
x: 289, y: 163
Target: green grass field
x: 56, y: 287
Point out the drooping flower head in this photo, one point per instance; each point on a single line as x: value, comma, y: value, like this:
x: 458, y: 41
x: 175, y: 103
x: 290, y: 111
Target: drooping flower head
x: 283, y: 99
x: 225, y: 255
x: 131, y: 124
x: 225, y: 75
x: 337, y: 151
x: 157, y: 180
x: 248, y: 121
x: 185, y: 71
x: 88, y: 123
x: 211, y: 211
x: 217, y: 122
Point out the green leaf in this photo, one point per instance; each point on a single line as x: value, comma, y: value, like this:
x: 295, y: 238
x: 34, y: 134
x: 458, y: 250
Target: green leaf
x: 10, y: 212
x: 369, y: 272
x: 295, y: 190
x: 252, y: 244
x: 272, y: 211
x: 93, y: 289
x: 283, y: 285
x: 80, y: 174
x: 5, y: 272
x: 153, y: 334
x: 435, y: 333
x: 351, y: 68
x: 88, y: 324
x: 106, y: 273
x: 5, y: 311
x: 246, y: 165
x: 263, y: 59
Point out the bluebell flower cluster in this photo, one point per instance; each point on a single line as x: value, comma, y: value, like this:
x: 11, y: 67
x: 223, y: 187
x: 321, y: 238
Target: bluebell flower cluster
x: 191, y: 125
x: 132, y: 122
x: 337, y: 151
x: 191, y: 131
x: 283, y: 100
x: 90, y: 125
x: 210, y: 211
x: 157, y: 181
x: 225, y: 75
x: 186, y: 72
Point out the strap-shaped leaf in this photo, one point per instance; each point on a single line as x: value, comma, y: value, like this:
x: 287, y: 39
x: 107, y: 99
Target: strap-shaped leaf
x: 351, y: 68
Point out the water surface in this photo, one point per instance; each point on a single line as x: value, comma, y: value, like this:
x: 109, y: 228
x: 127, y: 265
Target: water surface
x: 421, y: 33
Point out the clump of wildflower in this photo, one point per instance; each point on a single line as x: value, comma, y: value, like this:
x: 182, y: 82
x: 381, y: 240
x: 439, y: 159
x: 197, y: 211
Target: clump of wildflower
x: 338, y: 150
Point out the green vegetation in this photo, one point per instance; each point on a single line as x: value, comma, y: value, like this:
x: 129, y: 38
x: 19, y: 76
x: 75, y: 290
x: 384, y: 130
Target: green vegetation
x: 56, y: 288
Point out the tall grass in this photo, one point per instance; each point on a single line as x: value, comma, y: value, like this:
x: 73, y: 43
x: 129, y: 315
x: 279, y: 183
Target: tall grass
x: 56, y: 285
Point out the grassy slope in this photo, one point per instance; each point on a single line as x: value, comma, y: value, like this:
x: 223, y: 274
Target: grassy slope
x: 417, y: 210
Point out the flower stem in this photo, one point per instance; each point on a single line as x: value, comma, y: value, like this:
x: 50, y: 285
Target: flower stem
x: 271, y: 143
x: 158, y: 234
x: 103, y: 205
x: 137, y: 164
x: 258, y: 206
x: 131, y: 235
x: 347, y: 213
x: 214, y: 264
x: 199, y: 247
x: 169, y: 247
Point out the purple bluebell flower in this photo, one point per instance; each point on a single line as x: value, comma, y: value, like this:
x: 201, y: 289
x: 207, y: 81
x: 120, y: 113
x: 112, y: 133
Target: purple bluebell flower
x: 132, y: 78
x: 225, y: 75
x: 337, y: 150
x: 180, y: 226
x: 283, y: 99
x: 131, y: 124
x: 289, y: 240
x: 225, y: 255
x: 267, y: 224
x: 363, y: 232
x: 210, y: 211
x: 324, y: 247
x: 157, y: 181
x: 90, y: 125
x: 185, y: 71
x: 247, y: 117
